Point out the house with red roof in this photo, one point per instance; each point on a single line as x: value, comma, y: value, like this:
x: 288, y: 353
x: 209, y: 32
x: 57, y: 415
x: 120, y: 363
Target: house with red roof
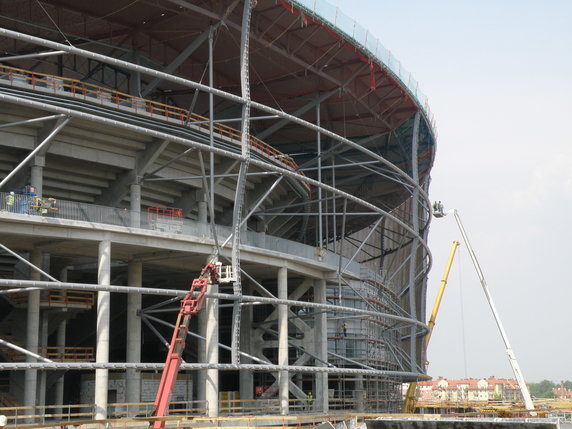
x: 469, y: 389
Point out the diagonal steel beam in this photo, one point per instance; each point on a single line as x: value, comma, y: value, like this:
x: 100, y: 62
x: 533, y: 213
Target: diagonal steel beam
x: 188, y: 51
x: 31, y: 121
x: 24, y: 351
x: 40, y: 147
x: 299, y: 112
x: 120, y: 188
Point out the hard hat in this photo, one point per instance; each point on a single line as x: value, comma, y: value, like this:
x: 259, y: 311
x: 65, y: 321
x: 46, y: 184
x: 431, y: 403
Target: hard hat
x: 3, y: 420
x: 11, y: 193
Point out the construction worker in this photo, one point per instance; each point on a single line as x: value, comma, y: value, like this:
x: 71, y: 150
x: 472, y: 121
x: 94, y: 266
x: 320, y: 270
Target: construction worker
x: 10, y: 202
x: 309, y: 401
x: 345, y: 329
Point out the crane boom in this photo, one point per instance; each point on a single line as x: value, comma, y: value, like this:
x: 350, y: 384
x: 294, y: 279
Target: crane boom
x: 410, y: 396
x: 190, y: 305
x: 529, y: 405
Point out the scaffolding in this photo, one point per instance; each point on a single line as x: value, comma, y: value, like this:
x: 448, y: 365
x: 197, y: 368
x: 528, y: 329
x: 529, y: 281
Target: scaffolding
x: 324, y: 231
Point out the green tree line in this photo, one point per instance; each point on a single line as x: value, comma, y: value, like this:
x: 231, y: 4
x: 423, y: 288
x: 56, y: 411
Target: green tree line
x: 544, y: 388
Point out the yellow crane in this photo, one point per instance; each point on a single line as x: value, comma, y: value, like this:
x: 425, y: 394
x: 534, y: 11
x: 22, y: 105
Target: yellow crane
x: 410, y: 397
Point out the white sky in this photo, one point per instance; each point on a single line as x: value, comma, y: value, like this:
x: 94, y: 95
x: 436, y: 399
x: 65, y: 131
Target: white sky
x: 498, y: 75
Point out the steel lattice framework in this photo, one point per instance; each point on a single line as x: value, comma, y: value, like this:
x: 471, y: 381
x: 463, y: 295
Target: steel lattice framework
x: 277, y: 137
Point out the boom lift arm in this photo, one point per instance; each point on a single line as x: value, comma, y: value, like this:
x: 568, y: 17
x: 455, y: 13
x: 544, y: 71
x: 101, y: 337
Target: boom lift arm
x: 410, y: 396
x: 529, y: 405
x: 190, y: 305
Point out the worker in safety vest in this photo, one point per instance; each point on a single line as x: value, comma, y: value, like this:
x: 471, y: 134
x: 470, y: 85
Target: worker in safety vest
x: 10, y: 202
x: 310, y: 400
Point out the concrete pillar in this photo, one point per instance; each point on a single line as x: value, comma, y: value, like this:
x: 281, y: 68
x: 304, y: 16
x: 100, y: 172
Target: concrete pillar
x: 37, y: 175
x: 212, y: 334
x: 61, y: 343
x: 246, y: 377
x: 202, y: 357
x: 43, y: 374
x: 135, y: 201
x: 360, y: 394
x: 32, y: 335
x: 132, y: 376
x: 202, y: 207
x: 103, y: 317
x: 283, y: 391
x: 321, y: 342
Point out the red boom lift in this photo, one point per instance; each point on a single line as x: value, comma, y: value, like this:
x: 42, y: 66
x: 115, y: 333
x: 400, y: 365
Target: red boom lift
x: 189, y: 305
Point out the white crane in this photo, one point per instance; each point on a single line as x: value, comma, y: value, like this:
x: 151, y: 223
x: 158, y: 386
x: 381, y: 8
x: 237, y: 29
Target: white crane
x: 438, y: 213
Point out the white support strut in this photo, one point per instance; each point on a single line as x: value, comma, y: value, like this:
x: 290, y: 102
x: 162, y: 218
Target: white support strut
x: 529, y: 405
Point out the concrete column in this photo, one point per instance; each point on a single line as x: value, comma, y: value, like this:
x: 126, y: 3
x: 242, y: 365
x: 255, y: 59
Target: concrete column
x: 211, y: 385
x: 321, y: 342
x: 135, y: 201
x: 103, y: 317
x: 61, y: 343
x: 360, y: 394
x: 202, y: 357
x: 202, y: 207
x: 283, y: 391
x: 32, y: 335
x: 43, y: 374
x: 37, y: 175
x: 132, y: 376
x: 246, y: 377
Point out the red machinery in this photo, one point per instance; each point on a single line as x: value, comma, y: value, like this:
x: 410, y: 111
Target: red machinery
x: 189, y: 305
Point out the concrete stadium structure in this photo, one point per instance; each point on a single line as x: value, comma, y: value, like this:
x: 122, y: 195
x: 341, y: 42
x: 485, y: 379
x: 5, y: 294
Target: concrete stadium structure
x: 142, y: 138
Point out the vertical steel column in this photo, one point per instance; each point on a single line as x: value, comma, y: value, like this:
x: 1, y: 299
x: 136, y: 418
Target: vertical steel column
x: 212, y: 337
x: 246, y: 377
x: 319, y: 154
x: 132, y: 376
x: 283, y: 379
x: 32, y: 336
x: 102, y: 340
x: 321, y: 341
x: 241, y: 181
x: 414, y: 244
x: 211, y: 128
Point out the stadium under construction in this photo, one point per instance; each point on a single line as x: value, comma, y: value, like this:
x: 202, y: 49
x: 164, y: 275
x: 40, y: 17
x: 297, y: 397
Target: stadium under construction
x: 140, y: 140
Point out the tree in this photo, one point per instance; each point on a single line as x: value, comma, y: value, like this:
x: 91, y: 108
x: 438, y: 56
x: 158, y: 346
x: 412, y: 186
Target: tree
x: 542, y: 389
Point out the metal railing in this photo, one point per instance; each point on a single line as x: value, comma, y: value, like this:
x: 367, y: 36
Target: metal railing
x: 56, y: 298
x: 72, y: 210
x: 77, y: 89
x: 83, y: 413
x: 67, y: 354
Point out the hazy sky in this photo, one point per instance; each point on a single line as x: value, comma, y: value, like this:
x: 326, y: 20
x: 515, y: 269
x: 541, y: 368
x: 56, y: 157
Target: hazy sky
x: 498, y: 75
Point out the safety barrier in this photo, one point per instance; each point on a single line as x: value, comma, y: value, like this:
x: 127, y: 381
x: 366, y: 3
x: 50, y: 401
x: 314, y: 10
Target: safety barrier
x: 92, y: 213
x: 67, y: 354
x: 62, y: 86
x: 84, y: 414
x: 56, y: 298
